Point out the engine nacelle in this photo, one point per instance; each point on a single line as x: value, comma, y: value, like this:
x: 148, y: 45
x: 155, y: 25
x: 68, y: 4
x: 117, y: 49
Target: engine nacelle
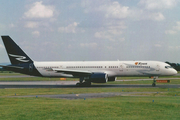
x: 112, y: 79
x: 99, y: 78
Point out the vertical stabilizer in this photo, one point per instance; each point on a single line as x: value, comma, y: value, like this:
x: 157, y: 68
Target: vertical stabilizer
x: 15, y: 53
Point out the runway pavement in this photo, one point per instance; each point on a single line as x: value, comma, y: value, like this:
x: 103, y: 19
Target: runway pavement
x: 150, y: 79
x: 72, y: 84
x: 16, y: 76
x: 88, y: 95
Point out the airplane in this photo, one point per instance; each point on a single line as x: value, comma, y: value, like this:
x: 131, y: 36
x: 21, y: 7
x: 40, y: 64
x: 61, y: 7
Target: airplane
x: 87, y: 71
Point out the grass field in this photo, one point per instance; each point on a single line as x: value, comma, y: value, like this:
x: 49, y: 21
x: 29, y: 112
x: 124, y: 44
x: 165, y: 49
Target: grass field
x: 166, y: 103
x: 165, y: 106
x: 115, y: 108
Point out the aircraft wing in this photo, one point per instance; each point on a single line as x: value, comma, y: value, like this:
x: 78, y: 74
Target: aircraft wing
x: 11, y: 67
x: 74, y: 72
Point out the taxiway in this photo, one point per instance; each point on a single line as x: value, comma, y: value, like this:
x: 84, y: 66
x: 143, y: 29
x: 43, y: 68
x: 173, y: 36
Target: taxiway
x: 88, y: 95
x: 72, y: 84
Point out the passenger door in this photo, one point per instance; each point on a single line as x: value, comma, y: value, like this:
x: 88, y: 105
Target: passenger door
x: 157, y: 68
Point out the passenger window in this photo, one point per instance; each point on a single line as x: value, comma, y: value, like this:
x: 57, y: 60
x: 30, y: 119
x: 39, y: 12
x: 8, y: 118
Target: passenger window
x: 168, y: 67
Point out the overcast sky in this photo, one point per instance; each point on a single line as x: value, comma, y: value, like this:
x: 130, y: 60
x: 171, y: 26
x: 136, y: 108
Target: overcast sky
x: 92, y: 30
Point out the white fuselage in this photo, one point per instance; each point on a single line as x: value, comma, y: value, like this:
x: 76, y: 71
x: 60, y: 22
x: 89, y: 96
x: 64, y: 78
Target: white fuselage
x: 111, y: 68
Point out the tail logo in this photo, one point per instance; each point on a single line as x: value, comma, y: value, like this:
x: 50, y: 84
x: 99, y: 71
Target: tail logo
x: 19, y: 58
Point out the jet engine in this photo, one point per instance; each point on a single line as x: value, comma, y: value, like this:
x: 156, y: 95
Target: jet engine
x: 99, y: 78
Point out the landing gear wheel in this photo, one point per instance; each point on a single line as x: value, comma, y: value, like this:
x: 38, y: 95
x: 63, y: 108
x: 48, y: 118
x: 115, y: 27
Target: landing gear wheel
x: 84, y: 84
x: 154, y: 84
x: 78, y: 84
x: 87, y: 84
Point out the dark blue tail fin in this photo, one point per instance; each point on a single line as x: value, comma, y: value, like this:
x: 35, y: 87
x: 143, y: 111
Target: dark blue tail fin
x: 15, y: 53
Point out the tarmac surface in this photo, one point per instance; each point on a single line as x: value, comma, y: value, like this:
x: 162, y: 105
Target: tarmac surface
x: 16, y: 76
x: 72, y: 84
x: 87, y: 95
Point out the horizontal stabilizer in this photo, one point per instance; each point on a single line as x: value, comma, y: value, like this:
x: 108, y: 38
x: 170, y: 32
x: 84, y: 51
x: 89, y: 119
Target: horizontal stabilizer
x: 11, y: 67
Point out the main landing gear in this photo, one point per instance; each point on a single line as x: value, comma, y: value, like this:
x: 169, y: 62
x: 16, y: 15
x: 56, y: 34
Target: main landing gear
x: 83, y: 84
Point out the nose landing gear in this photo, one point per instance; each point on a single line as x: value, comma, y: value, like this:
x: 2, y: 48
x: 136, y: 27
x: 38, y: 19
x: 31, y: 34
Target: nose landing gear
x: 154, y: 82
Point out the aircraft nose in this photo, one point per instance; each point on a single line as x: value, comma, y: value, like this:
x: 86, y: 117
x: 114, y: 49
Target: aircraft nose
x: 174, y: 72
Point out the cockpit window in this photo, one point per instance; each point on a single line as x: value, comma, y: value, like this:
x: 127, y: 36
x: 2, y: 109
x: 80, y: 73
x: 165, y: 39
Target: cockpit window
x: 168, y: 67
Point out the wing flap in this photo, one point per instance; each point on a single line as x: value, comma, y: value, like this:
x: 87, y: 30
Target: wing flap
x: 74, y: 72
